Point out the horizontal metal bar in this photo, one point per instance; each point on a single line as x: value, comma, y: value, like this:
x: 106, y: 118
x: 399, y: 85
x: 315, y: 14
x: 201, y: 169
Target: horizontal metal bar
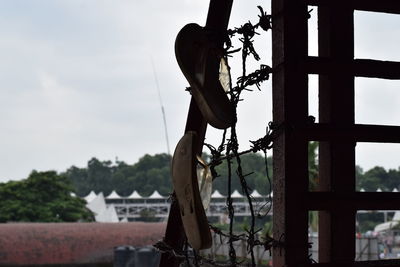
x: 358, y: 67
x: 353, y: 201
x: 385, y: 6
x: 376, y: 68
x: 377, y: 263
x: 356, y: 133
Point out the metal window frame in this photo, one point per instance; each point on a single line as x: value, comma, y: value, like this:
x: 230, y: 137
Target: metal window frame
x: 336, y: 199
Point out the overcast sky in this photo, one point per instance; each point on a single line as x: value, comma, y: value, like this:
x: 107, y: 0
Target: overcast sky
x: 76, y: 81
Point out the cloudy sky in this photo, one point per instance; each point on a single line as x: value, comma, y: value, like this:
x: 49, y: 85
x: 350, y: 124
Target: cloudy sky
x: 76, y: 81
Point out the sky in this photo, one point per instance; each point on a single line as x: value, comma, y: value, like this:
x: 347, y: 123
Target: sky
x: 76, y: 81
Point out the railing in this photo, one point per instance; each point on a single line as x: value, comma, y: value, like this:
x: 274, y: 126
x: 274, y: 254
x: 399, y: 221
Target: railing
x: 160, y: 210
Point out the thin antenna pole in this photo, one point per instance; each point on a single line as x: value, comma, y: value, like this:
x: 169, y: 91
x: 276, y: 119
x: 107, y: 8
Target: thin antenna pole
x: 161, y: 104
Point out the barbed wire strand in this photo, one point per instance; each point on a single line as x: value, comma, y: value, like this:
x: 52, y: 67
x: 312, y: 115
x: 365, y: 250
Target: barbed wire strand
x: 231, y: 145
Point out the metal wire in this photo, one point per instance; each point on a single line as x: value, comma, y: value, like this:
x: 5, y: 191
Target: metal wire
x: 230, y: 145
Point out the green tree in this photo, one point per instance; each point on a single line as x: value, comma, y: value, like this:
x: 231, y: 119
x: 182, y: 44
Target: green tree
x: 313, y: 171
x: 79, y: 179
x: 42, y: 197
x: 373, y: 179
x: 148, y: 174
x: 253, y: 164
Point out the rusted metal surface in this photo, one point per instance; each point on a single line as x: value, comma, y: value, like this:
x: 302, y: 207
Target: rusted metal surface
x: 357, y: 132
x: 386, y: 6
x: 358, y: 67
x: 353, y: 200
x: 71, y: 243
x: 336, y: 107
x: 290, y: 106
x: 379, y: 263
x: 336, y: 200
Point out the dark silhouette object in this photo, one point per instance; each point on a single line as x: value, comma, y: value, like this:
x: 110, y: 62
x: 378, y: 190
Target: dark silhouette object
x: 199, y: 59
x: 216, y: 26
x: 336, y: 198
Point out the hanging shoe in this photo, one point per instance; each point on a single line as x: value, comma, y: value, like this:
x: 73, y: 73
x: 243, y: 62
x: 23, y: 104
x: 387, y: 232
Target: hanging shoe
x: 184, y: 179
x: 201, y: 62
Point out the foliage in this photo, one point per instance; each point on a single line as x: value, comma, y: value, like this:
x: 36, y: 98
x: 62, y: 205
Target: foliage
x: 367, y: 221
x: 153, y: 173
x: 148, y: 174
x: 42, y: 197
x: 378, y: 177
x: 313, y: 165
x: 45, y: 196
x: 251, y: 163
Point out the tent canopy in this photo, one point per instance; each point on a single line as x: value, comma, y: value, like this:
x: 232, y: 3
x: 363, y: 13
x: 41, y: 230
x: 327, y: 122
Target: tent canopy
x: 113, y: 195
x: 156, y: 195
x: 236, y: 194
x: 92, y: 195
x: 135, y: 195
x: 217, y: 194
x: 256, y: 194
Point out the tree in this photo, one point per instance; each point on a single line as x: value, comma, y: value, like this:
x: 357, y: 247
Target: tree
x: 148, y: 174
x: 313, y: 171
x: 42, y: 197
x: 251, y: 163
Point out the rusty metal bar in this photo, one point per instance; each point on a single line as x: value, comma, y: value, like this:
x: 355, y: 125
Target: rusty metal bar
x: 385, y: 6
x: 358, y: 67
x: 356, y: 133
x: 217, y: 23
x: 378, y: 263
x: 290, y: 105
x: 356, y: 200
x: 336, y: 107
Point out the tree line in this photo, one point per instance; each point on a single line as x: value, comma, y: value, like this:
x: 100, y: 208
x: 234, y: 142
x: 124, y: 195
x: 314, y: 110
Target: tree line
x: 153, y: 173
x: 42, y: 197
x: 46, y: 196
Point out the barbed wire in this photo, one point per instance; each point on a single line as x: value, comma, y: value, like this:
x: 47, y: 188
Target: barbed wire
x: 230, y: 146
x: 247, y: 32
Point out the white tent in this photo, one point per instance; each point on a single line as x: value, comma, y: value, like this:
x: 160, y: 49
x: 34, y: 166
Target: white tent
x: 255, y: 194
x: 156, y: 195
x: 134, y: 195
x: 379, y: 190
x: 395, y: 190
x: 236, y: 194
x: 108, y: 215
x: 102, y: 213
x: 217, y: 194
x: 362, y: 190
x: 92, y: 195
x: 98, y: 204
x: 113, y: 195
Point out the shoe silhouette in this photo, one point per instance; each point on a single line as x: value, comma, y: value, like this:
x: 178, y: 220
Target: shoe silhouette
x: 200, y: 61
x: 184, y: 179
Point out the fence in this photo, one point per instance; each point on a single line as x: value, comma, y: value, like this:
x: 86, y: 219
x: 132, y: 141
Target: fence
x: 367, y: 248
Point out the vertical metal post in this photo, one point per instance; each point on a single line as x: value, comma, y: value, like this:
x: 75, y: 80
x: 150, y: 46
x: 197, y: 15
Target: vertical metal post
x: 290, y: 108
x: 336, y: 107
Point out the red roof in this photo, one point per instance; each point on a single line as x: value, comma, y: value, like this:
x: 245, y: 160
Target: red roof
x: 54, y: 243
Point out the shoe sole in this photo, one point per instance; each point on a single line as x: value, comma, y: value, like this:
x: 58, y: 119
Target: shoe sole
x: 184, y: 179
x: 210, y: 97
